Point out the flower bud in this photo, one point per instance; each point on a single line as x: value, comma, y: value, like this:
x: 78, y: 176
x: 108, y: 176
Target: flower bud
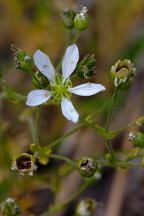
x: 137, y: 138
x: 87, y: 166
x: 24, y: 163
x: 9, y: 208
x: 22, y: 60
x: 68, y: 16
x: 86, y: 207
x: 123, y: 73
x: 39, y: 80
x: 81, y: 20
x: 86, y: 68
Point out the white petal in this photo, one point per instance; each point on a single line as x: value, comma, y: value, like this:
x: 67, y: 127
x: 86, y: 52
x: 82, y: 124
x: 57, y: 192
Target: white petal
x: 44, y: 65
x: 68, y: 110
x: 87, y: 89
x: 37, y: 97
x: 70, y: 61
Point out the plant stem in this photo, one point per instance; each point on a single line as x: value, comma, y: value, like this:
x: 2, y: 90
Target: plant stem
x: 67, y: 160
x: 59, y: 207
x: 111, y: 109
x: 124, y: 127
x: 36, y: 126
x: 57, y: 141
x: 108, y: 142
x: 76, y: 37
x: 110, y: 149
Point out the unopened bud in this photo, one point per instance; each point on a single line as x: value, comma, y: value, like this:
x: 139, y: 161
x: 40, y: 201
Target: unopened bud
x: 137, y: 138
x: 86, y: 207
x: 9, y: 208
x: 24, y: 163
x: 123, y: 73
x: 68, y: 16
x: 81, y: 21
x: 87, y: 67
x: 87, y: 166
x: 22, y: 60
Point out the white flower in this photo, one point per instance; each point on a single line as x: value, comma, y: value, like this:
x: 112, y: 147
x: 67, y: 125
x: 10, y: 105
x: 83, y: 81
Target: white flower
x: 60, y: 85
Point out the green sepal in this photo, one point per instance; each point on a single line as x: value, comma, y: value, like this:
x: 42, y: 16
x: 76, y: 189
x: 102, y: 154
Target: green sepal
x: 41, y: 153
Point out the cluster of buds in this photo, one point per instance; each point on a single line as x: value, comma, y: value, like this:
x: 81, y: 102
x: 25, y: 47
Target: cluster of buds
x: 9, y: 208
x: 137, y: 138
x: 86, y: 207
x: 72, y: 20
x: 22, y: 60
x: 24, y: 163
x: 123, y: 73
x: 87, y: 67
x: 87, y: 166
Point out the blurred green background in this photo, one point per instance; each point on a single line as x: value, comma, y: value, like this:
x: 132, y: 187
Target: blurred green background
x: 116, y: 31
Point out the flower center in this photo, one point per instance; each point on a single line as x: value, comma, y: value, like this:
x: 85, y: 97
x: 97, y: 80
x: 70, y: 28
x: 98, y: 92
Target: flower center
x: 60, y: 88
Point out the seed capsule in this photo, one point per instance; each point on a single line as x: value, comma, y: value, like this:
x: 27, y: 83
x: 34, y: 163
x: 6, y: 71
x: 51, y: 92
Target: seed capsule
x: 123, y: 73
x: 24, y: 163
x: 87, y: 166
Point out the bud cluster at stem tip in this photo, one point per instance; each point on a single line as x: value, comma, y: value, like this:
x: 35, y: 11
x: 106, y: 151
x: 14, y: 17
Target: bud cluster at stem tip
x: 71, y: 19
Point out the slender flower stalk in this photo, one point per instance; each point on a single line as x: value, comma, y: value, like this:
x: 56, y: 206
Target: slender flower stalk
x: 36, y: 127
x: 108, y: 142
